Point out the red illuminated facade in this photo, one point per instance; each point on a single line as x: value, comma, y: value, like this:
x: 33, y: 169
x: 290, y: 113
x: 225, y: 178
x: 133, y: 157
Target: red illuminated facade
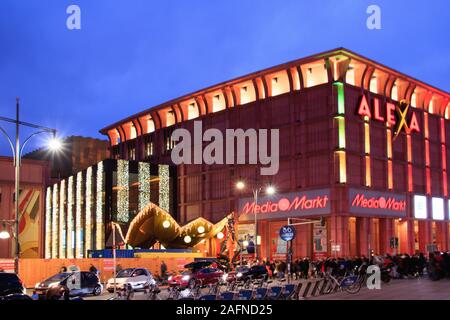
x: 362, y: 145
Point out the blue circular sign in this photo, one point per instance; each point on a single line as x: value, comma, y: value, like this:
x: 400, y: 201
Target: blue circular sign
x: 287, y: 233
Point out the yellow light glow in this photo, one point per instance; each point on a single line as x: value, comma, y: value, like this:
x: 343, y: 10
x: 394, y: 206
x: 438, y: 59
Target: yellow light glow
x: 240, y: 185
x: 201, y: 229
x: 166, y: 224
x: 220, y: 235
x: 187, y: 239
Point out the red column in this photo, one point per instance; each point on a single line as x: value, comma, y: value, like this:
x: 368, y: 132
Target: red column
x: 424, y: 235
x: 386, y: 233
x: 362, y: 244
x: 442, y: 236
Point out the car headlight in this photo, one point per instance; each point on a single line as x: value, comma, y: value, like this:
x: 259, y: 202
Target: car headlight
x: 53, y: 284
x: 185, y: 278
x: 170, y: 278
x: 37, y: 284
x: 239, y: 274
x: 225, y: 276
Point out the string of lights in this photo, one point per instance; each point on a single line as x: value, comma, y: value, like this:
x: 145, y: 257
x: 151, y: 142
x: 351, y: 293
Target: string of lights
x: 144, y: 184
x: 100, y: 233
x: 62, y: 220
x: 123, y: 191
x: 48, y: 223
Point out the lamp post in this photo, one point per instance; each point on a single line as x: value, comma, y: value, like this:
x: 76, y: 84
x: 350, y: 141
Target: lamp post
x: 17, y: 150
x: 270, y: 190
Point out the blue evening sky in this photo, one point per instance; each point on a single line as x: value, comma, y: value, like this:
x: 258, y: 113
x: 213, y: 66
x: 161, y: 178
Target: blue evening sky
x: 130, y: 55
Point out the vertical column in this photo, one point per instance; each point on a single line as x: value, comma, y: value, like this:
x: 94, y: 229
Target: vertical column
x: 424, y: 235
x: 368, y: 178
x: 409, y: 160
x: 444, y: 159
x: 339, y: 233
x: 427, y: 154
x: 48, y: 223
x: 362, y: 239
x: 123, y: 192
x: 100, y: 208
x: 144, y: 184
x: 390, y: 182
x: 79, y: 218
x: 70, y: 218
x: 387, y: 231
x: 442, y: 235
x: 62, y: 220
x: 340, y: 156
x: 55, y: 221
x: 89, y: 211
x: 164, y: 186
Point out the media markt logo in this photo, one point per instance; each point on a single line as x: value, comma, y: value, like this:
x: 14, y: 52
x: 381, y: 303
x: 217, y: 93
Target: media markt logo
x: 284, y: 204
x: 389, y: 203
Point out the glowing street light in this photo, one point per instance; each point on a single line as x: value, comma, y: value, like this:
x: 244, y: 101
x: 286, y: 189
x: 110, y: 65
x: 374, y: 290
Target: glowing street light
x: 270, y: 190
x: 17, y: 150
x: 54, y: 144
x: 187, y: 239
x: 240, y: 185
x: 220, y: 235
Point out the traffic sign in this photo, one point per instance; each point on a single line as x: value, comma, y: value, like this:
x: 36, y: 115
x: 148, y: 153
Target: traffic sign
x: 287, y: 233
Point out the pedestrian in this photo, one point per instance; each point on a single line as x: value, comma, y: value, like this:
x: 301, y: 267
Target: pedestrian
x: 93, y: 269
x: 35, y: 296
x: 63, y: 269
x: 163, y: 269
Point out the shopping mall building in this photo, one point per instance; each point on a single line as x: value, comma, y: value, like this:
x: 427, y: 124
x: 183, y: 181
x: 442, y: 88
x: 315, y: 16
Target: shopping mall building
x: 360, y: 144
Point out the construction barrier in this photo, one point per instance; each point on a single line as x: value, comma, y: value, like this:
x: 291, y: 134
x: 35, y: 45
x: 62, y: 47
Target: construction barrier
x: 32, y: 271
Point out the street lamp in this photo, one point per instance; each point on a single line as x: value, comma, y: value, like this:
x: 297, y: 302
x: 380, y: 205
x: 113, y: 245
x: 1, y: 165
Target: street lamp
x: 4, y: 234
x: 17, y: 151
x: 269, y: 190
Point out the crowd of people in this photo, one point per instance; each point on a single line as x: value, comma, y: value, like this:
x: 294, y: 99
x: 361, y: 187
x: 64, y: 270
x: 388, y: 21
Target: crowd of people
x: 401, y: 266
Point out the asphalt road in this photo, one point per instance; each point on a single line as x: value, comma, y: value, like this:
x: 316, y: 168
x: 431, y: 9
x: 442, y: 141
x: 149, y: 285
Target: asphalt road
x: 409, y: 289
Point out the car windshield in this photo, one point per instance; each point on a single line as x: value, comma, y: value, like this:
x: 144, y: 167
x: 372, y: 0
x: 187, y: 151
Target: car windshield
x: 59, y: 277
x: 186, y: 272
x: 125, y: 273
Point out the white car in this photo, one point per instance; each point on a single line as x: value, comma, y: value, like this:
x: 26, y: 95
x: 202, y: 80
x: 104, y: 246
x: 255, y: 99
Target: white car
x: 138, y: 278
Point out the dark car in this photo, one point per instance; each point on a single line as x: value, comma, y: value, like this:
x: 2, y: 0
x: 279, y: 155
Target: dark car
x: 15, y: 296
x: 69, y: 284
x: 248, y: 273
x: 10, y: 284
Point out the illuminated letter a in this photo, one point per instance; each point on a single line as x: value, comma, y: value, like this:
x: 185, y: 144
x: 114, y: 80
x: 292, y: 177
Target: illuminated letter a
x: 364, y: 109
x: 413, y: 124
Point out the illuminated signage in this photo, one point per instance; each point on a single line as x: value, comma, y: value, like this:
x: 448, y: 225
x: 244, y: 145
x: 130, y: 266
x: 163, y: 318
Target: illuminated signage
x: 420, y: 207
x: 396, y: 115
x: 437, y: 207
x: 314, y: 202
x: 378, y: 203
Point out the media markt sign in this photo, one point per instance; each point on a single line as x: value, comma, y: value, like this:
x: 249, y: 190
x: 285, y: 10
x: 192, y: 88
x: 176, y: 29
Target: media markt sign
x: 284, y: 205
x: 378, y: 203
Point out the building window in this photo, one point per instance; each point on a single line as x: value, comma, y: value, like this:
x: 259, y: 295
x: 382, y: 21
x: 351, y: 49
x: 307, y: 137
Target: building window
x: 131, y: 152
x: 168, y: 142
x: 149, y: 149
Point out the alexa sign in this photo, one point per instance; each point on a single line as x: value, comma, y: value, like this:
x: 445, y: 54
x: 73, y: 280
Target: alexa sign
x: 394, y: 115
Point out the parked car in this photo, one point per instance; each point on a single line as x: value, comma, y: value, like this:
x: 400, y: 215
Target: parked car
x: 189, y: 277
x: 69, y: 284
x: 139, y: 278
x: 15, y: 296
x: 244, y: 273
x: 10, y: 284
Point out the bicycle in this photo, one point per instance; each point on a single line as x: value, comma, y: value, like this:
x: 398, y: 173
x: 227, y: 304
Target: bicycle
x: 349, y: 283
